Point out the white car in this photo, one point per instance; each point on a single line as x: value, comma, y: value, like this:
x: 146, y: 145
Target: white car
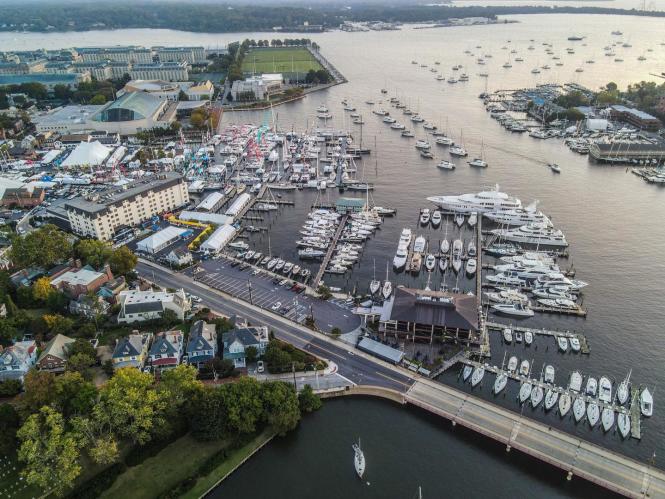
x: 276, y: 305
x: 260, y: 367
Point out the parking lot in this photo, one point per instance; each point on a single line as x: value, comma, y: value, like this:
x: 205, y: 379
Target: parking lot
x: 280, y: 295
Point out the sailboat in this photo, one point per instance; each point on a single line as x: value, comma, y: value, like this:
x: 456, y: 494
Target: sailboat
x: 479, y: 162
x: 387, y: 286
x: 458, y: 149
x: 623, y: 390
x: 375, y: 284
x: 358, y: 459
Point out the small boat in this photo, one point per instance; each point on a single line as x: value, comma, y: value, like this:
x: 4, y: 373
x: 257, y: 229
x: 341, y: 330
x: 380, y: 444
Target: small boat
x: 554, y: 167
x: 426, y: 155
x: 549, y: 374
x: 473, y: 219
x: 387, y: 289
x: 518, y: 336
x: 436, y: 218
x: 466, y: 372
x: 459, y: 219
x: 528, y: 338
x: 374, y: 286
x: 536, y: 395
x: 508, y: 335
x: 471, y: 266
x: 575, y: 381
x: 551, y: 398
x: 358, y: 459
x: 623, y: 423
x: 477, y: 375
x: 564, y: 404
x: 446, y: 165
x: 425, y: 216
x: 443, y: 263
x: 562, y: 341
x: 593, y: 413
x: 525, y: 392
x: 605, y: 390
x: 591, y: 386
x: 478, y: 163
x: 574, y: 344
x: 513, y: 309
x: 579, y: 408
x: 512, y: 364
x: 444, y: 246
x: 646, y: 402
x: 500, y: 383
x: 623, y: 390
x: 430, y: 262
x: 607, y: 418
x: 524, y: 368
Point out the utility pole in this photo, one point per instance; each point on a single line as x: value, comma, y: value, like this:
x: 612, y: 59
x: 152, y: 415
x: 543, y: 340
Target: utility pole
x: 249, y: 288
x: 293, y: 370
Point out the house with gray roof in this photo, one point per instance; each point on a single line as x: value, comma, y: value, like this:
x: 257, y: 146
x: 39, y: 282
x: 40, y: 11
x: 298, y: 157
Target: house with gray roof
x: 237, y: 341
x: 202, y: 344
x: 17, y: 360
x: 166, y: 351
x: 131, y: 351
x: 54, y: 356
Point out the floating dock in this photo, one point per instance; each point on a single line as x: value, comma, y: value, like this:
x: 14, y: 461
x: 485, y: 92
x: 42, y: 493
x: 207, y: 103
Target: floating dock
x: 331, y: 249
x: 584, y: 344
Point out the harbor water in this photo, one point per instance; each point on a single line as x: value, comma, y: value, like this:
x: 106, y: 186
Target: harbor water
x: 612, y: 220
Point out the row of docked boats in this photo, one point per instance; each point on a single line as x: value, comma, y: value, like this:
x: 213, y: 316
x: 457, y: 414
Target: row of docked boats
x: 274, y: 264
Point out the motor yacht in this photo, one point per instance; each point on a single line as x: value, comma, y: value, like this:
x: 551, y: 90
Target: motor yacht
x: 482, y: 202
x: 512, y: 309
x: 425, y: 216
x: 623, y: 423
x: 397, y: 126
x: 430, y: 262
x: 399, y: 261
x: 458, y: 151
x: 549, y: 374
x: 528, y: 338
x: 519, y: 216
x: 554, y: 167
x: 507, y: 296
x: 407, y: 133
x: 466, y: 372
x: 558, y: 279
x: 559, y: 303
x: 575, y: 381
x: 562, y: 342
x: 507, y: 335
x: 444, y: 141
x: 533, y: 233
x: 478, y: 163
x: 389, y: 119
x: 512, y: 364
x: 605, y: 390
x: 419, y: 244
x: 443, y: 263
x: 471, y: 266
x: 436, y: 218
x: 591, y: 386
x: 422, y: 144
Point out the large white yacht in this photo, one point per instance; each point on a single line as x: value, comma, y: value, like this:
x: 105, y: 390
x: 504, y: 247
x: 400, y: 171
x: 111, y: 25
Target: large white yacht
x: 519, y: 216
x: 485, y: 201
x: 534, y: 233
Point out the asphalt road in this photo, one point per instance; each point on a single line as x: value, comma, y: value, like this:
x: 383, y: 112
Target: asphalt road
x: 355, y: 368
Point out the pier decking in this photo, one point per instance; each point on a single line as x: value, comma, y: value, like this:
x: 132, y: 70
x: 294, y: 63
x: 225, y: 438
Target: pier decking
x: 575, y: 456
x: 584, y: 345
x: 331, y: 249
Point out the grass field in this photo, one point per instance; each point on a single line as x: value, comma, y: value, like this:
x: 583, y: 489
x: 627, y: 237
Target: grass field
x: 11, y: 484
x: 181, y: 459
x: 280, y: 60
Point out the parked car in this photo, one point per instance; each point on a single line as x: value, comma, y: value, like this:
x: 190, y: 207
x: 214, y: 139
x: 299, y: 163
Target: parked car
x: 276, y: 305
x: 260, y: 367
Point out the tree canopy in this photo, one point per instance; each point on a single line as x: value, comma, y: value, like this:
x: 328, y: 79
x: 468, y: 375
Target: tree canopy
x: 42, y: 248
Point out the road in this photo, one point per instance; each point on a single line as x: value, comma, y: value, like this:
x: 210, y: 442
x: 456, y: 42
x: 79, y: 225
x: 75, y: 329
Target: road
x: 357, y: 368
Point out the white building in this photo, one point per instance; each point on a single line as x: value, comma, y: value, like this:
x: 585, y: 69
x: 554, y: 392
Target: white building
x: 238, y: 204
x: 102, y: 213
x: 138, y: 306
x: 201, y: 91
x: 161, y: 239
x: 120, y: 54
x: 87, y: 154
x: 212, y: 202
x: 218, y: 239
x: 169, y: 71
x: 190, y: 55
x: 157, y: 88
x: 261, y: 86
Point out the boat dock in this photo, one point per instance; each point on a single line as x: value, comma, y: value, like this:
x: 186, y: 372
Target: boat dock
x: 584, y: 344
x: 331, y: 249
x: 635, y: 414
x: 458, y: 357
x: 572, y: 454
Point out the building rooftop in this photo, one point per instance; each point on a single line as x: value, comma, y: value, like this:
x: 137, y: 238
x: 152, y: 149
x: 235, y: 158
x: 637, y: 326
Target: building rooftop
x: 82, y: 276
x: 142, y: 104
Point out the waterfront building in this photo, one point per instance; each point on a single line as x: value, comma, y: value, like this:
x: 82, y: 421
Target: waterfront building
x: 212, y: 202
x: 100, y: 214
x: 640, y: 119
x: 237, y: 341
x: 422, y: 315
x: 169, y: 71
x: 131, y: 351
x: 131, y: 54
x: 139, y: 306
x: 157, y: 88
x: 218, y: 239
x: 54, y: 356
x: 261, y: 87
x: 350, y: 205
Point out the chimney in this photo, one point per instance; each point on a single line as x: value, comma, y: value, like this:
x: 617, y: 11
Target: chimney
x: 77, y: 263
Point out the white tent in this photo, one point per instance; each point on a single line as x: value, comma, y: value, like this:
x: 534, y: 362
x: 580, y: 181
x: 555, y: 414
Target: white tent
x: 87, y: 154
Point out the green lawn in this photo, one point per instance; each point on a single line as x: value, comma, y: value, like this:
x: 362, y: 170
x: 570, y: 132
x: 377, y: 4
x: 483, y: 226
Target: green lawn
x: 280, y: 60
x: 179, y: 460
x: 11, y: 484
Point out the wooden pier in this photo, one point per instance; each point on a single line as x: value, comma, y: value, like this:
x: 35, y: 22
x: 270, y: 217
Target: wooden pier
x: 584, y: 345
x: 458, y: 357
x: 331, y: 249
x: 635, y: 414
x: 574, y: 455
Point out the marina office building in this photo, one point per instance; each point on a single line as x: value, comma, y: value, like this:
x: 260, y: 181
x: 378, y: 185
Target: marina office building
x: 422, y: 315
x: 101, y: 214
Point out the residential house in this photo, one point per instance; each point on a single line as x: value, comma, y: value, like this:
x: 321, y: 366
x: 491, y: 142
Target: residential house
x: 167, y: 349
x: 132, y: 351
x: 237, y: 341
x: 78, y: 280
x: 137, y: 306
x: 179, y: 256
x: 16, y: 360
x: 55, y: 354
x: 110, y: 290
x: 202, y: 344
x: 89, y: 306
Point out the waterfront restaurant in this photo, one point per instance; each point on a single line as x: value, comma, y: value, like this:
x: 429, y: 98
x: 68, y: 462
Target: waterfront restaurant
x: 422, y: 315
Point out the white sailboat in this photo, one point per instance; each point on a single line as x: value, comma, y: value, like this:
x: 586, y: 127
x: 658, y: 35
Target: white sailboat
x: 358, y: 459
x: 607, y: 418
x: 623, y: 390
x: 646, y: 402
x: 623, y: 422
x: 387, y: 289
x: 564, y: 403
x: 375, y: 284
x: 579, y: 408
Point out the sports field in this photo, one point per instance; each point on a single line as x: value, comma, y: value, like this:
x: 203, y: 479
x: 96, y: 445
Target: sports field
x: 280, y: 60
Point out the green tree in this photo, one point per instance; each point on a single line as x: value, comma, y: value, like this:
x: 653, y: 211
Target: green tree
x: 122, y: 261
x: 251, y: 353
x: 57, y: 324
x: 93, y: 252
x: 308, y: 400
x: 12, y: 309
x: 280, y: 406
x: 9, y: 422
x: 10, y: 387
x: 130, y: 406
x: 8, y: 332
x: 611, y: 87
x: 81, y: 346
x: 74, y: 396
x: 49, y: 452
x: 276, y: 358
x: 62, y: 92
x: 98, y: 100
x: 42, y: 248
x: 243, y: 404
x: 39, y: 389
x: 81, y: 363
x: 208, y: 415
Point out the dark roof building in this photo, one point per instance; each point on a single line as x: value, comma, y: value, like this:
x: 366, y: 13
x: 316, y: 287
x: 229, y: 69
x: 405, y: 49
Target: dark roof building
x: 425, y: 314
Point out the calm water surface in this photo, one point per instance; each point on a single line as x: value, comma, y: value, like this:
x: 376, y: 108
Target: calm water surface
x: 612, y: 219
